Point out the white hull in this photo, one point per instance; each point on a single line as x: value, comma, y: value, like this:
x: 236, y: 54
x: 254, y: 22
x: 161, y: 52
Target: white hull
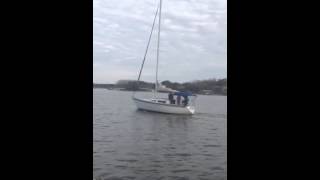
x: 152, y: 105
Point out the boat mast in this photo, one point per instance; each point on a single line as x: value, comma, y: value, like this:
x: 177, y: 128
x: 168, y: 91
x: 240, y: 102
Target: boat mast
x: 156, y: 84
x: 145, y: 54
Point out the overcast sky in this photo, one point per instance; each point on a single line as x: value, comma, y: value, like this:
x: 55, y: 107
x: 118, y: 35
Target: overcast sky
x: 193, y: 43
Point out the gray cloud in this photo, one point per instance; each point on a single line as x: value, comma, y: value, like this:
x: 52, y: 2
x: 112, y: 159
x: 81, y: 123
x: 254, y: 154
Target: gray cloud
x: 193, y: 39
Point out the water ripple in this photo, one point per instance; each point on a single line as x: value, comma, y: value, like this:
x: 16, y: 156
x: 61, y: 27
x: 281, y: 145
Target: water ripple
x: 181, y: 170
x: 211, y: 145
x: 127, y: 160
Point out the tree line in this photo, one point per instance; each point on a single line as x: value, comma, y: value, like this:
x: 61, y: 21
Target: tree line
x: 209, y: 86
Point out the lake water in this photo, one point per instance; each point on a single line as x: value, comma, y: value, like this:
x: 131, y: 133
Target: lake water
x: 131, y: 144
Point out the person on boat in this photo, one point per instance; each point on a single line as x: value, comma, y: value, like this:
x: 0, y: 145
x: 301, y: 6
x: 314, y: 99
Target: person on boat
x: 178, y: 99
x: 170, y: 96
x: 186, y: 100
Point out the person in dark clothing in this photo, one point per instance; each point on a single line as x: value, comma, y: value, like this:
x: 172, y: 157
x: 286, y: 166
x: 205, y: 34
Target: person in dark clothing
x: 178, y: 99
x: 186, y: 100
x: 170, y: 96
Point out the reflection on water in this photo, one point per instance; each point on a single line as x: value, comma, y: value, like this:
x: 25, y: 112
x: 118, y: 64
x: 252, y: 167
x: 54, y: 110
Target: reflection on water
x: 134, y: 144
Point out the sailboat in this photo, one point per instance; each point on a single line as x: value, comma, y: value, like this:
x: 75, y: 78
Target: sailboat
x: 163, y: 105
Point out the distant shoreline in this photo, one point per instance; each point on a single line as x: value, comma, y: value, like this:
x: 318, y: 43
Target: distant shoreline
x: 203, y: 87
x: 152, y: 91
